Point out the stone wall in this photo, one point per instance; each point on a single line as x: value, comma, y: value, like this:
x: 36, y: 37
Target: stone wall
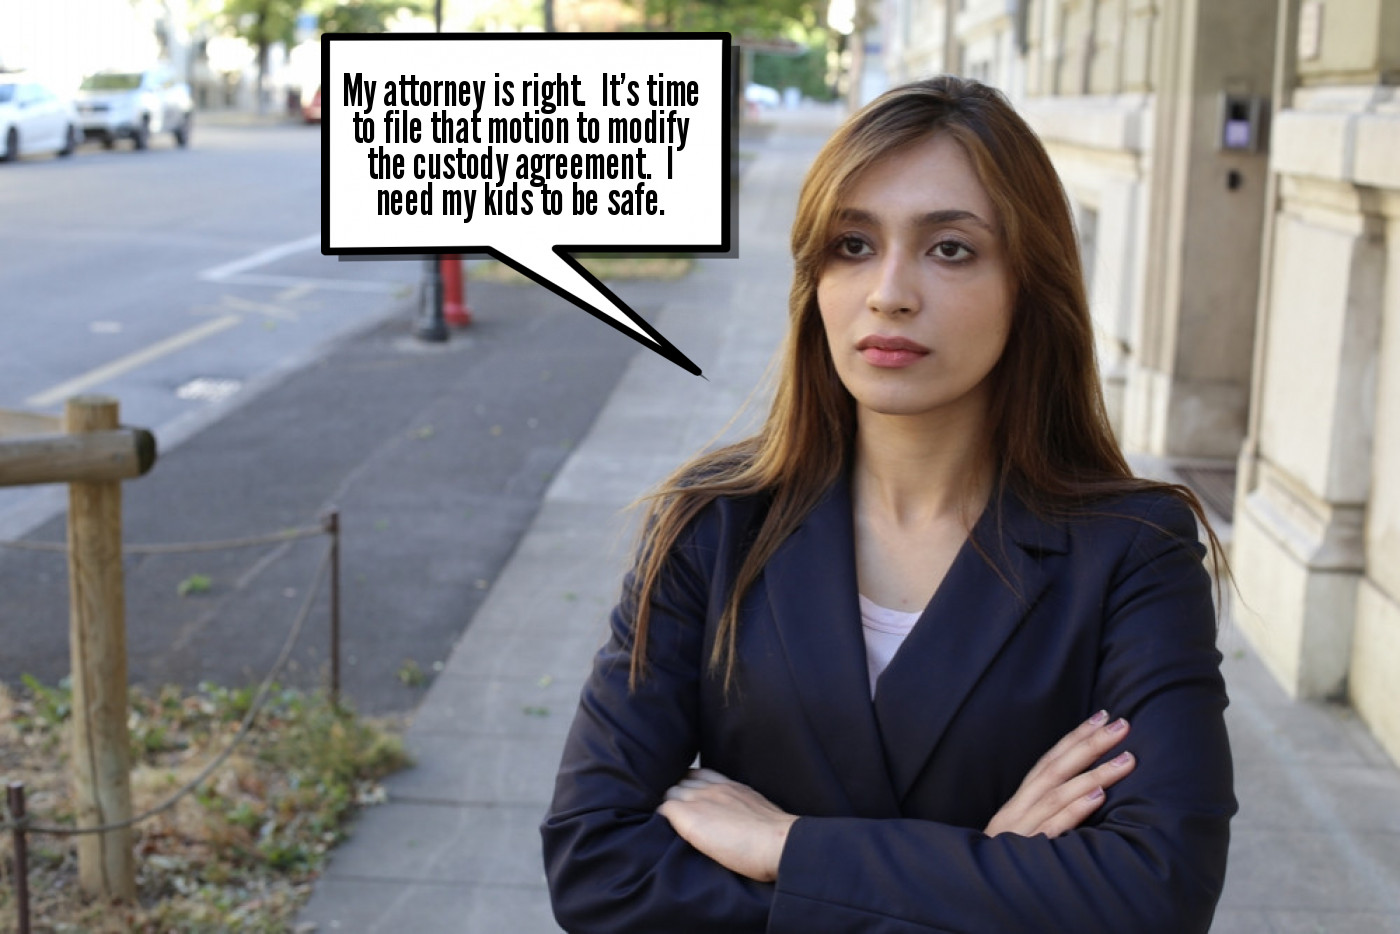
x: 1318, y: 529
x: 1246, y: 300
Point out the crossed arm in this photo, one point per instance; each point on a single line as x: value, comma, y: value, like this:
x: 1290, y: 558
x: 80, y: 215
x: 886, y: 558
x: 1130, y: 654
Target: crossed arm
x: 745, y: 832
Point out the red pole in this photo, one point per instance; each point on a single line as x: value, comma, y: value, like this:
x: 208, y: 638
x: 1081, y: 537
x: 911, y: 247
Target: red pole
x: 454, y: 292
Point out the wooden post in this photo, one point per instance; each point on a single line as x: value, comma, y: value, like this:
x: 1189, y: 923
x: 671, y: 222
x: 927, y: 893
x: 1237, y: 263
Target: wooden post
x: 94, y: 455
x: 97, y: 643
x: 27, y: 423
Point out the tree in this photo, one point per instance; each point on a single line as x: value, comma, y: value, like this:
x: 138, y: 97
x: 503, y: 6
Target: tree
x: 745, y: 19
x: 261, y: 23
x: 369, y: 15
x: 805, y: 70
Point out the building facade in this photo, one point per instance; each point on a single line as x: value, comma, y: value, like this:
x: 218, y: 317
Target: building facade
x: 1234, y: 169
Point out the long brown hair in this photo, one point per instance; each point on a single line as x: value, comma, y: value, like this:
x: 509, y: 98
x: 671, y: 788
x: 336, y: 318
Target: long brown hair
x: 1051, y: 439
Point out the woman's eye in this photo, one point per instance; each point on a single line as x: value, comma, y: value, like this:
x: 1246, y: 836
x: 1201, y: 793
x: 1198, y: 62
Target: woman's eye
x: 952, y: 250
x: 852, y: 246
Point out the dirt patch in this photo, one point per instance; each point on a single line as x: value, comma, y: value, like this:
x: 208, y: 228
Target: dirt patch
x: 239, y: 853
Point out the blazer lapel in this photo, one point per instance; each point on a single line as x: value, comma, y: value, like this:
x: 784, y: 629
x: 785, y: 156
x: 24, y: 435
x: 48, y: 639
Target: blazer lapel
x: 975, y: 610
x: 811, y: 589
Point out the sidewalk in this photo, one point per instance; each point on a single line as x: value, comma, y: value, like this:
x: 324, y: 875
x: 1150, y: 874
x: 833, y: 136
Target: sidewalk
x: 456, y: 848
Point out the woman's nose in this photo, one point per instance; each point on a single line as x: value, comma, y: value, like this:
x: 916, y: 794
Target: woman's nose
x: 894, y: 290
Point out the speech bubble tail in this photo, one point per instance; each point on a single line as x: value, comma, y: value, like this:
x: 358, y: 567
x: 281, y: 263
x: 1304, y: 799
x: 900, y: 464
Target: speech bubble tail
x: 563, y: 275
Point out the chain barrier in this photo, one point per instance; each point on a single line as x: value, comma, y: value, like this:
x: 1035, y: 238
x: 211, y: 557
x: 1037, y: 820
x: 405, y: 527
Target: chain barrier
x: 286, y: 535
x: 9, y: 822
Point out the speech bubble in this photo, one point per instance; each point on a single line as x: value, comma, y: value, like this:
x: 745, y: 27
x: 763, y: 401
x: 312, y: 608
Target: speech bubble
x: 529, y: 147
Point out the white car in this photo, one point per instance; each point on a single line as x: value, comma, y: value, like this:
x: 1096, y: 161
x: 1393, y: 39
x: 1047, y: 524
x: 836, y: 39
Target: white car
x: 34, y: 119
x: 135, y: 105
x: 761, y: 95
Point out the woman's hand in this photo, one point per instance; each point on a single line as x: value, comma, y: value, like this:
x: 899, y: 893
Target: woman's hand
x: 730, y: 823
x: 743, y: 831
x: 1061, y: 791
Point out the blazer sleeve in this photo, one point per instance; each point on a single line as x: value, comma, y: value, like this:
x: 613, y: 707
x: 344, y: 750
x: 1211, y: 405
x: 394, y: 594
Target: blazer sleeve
x: 1153, y: 857
x: 614, y: 865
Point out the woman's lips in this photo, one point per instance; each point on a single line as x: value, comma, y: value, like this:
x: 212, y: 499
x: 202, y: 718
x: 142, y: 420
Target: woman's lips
x: 892, y: 352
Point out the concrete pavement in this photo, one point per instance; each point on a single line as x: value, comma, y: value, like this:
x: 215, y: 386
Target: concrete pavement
x: 1316, y: 845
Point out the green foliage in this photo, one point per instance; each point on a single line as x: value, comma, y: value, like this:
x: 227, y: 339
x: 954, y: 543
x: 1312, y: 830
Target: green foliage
x: 752, y: 19
x: 227, y: 704
x: 260, y: 23
x: 368, y: 15
x: 195, y: 583
x: 251, y: 838
x: 327, y: 745
x: 410, y: 674
x: 806, y: 72
x: 51, y: 706
x: 490, y: 15
x: 314, y: 763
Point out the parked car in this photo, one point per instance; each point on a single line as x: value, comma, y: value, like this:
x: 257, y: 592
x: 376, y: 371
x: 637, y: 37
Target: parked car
x: 34, y: 119
x: 135, y: 105
x: 762, y: 96
x: 311, y: 105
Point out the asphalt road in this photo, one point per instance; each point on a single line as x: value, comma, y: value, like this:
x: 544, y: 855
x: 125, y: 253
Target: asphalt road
x: 170, y: 278
x: 138, y: 273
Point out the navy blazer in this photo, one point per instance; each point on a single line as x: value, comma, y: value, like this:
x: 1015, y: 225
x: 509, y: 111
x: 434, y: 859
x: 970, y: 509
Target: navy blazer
x: 1026, y: 637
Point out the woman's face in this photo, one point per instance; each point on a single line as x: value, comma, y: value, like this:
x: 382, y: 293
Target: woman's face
x: 915, y: 295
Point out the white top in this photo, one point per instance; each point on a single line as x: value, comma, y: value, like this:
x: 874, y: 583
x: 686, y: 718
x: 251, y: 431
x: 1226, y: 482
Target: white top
x: 885, y: 630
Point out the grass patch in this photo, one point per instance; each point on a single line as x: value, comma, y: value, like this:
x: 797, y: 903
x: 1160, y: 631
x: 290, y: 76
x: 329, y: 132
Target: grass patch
x: 194, y: 584
x: 666, y: 268
x: 241, y: 852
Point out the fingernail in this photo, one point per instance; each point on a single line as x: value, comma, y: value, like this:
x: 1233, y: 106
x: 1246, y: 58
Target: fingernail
x: 1123, y: 758
x: 1095, y: 795
x: 1118, y: 726
x: 1099, y: 718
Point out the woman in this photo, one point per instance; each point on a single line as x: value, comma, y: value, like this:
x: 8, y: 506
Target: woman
x: 906, y: 627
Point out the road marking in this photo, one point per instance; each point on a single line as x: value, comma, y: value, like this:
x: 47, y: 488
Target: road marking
x: 260, y: 258
x: 329, y: 285
x: 235, y: 272
x: 300, y: 290
x: 262, y: 308
x: 130, y: 362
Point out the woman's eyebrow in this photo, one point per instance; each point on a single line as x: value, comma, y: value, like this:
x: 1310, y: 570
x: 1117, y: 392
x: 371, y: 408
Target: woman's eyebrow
x: 930, y: 219
x: 938, y: 218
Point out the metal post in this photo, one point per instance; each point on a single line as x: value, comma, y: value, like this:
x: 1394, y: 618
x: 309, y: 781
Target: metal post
x: 431, y: 325
x: 16, y: 802
x: 333, y: 529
